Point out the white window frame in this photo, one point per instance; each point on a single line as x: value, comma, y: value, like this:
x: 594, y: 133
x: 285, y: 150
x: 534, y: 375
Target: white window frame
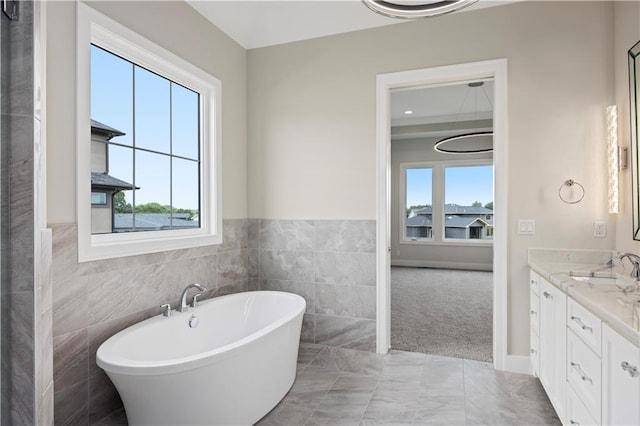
x: 95, y: 28
x: 437, y: 202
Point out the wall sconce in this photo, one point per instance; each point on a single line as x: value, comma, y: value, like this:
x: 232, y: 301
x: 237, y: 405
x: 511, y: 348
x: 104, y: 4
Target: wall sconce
x: 613, y: 158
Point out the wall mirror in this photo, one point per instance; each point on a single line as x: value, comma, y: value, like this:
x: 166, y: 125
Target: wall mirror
x: 634, y: 99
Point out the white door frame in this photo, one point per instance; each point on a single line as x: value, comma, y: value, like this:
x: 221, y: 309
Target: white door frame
x: 496, y: 69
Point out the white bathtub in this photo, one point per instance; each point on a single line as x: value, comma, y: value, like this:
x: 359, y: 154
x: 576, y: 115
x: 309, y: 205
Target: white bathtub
x: 231, y: 369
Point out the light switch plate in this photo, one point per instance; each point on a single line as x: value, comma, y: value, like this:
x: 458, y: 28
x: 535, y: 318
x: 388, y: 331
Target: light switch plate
x: 599, y: 229
x: 526, y: 227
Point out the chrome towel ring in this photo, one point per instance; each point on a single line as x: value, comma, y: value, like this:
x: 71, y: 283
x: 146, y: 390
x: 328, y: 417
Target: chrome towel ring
x: 567, y: 193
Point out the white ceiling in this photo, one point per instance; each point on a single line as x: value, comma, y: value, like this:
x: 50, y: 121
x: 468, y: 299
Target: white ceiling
x: 440, y: 111
x: 260, y: 23
x: 442, y: 104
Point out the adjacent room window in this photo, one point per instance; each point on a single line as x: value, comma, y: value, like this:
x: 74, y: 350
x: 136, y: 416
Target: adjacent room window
x: 468, y: 205
x: 419, y: 201
x: 447, y: 201
x: 148, y: 139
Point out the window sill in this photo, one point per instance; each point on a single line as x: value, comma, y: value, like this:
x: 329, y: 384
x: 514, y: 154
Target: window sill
x: 449, y: 243
x: 108, y: 246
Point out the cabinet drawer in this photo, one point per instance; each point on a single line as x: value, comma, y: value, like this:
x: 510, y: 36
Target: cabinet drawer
x: 586, y: 325
x: 584, y: 373
x: 534, y: 312
x: 577, y: 413
x: 534, y: 283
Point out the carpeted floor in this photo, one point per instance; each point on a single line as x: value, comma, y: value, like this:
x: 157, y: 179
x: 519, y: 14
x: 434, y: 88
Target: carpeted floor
x: 442, y: 312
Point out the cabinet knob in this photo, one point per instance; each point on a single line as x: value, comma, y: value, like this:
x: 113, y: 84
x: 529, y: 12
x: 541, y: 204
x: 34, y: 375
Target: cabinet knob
x: 533, y: 351
x: 573, y: 422
x: 533, y: 312
x: 547, y: 295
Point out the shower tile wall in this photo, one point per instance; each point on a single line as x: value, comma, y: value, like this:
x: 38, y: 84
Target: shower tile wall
x: 27, y: 375
x: 94, y: 300
x: 332, y: 264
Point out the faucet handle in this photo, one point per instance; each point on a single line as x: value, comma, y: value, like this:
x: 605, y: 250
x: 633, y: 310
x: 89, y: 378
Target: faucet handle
x: 166, y: 309
x: 194, y: 302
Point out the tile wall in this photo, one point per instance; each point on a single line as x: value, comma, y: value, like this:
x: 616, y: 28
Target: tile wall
x: 332, y: 264
x: 94, y: 300
x: 27, y: 374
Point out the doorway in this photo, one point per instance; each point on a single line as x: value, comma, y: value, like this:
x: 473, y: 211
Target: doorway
x: 441, y: 210
x: 447, y: 75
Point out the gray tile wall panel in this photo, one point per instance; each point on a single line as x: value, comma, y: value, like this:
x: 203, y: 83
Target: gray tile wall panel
x: 94, y: 300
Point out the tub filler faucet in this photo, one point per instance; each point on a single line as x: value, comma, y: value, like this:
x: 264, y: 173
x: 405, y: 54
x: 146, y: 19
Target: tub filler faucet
x: 184, y: 307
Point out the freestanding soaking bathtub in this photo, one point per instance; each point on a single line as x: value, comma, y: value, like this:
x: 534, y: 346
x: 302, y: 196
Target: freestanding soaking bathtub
x: 228, y: 361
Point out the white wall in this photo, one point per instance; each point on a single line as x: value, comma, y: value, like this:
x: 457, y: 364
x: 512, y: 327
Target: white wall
x: 627, y: 33
x: 177, y: 27
x: 312, y: 120
x: 432, y: 255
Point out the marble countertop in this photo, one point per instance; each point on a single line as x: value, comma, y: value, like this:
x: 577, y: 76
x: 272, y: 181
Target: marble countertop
x: 618, y: 305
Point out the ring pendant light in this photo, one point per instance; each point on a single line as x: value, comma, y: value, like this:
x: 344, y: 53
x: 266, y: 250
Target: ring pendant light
x: 416, y: 9
x: 468, y: 143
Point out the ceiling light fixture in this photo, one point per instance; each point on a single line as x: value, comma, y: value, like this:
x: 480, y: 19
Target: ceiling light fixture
x: 408, y: 112
x: 416, y: 9
x: 471, y: 142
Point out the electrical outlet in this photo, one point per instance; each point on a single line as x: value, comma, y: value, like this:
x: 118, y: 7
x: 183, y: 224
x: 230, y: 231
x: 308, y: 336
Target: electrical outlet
x: 526, y: 227
x: 599, y: 229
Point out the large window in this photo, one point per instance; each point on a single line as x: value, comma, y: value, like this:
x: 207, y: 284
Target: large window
x: 447, y: 201
x: 148, y: 127
x: 154, y: 164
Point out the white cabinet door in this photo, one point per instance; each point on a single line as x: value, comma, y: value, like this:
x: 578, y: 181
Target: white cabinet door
x: 553, y: 345
x: 620, y: 380
x: 534, y: 321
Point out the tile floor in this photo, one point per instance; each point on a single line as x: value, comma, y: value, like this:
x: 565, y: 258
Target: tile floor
x: 337, y: 386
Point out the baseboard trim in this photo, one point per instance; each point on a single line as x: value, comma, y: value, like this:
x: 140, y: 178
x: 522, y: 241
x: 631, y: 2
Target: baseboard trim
x: 442, y: 265
x: 518, y: 364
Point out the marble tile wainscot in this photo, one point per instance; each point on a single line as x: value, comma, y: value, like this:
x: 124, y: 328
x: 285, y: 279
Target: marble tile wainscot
x: 94, y: 300
x: 332, y: 264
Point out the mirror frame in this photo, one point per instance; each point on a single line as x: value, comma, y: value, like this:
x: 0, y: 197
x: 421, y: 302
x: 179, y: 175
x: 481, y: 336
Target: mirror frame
x: 634, y: 104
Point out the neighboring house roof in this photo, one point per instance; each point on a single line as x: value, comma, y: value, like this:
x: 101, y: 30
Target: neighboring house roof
x: 457, y: 209
x: 103, y: 129
x: 451, y: 221
x: 105, y: 181
x: 153, y: 221
x: 421, y: 220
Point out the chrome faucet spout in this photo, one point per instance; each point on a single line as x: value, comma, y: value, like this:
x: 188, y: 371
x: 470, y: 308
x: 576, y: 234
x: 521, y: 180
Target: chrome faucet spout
x: 635, y: 262
x: 183, y: 307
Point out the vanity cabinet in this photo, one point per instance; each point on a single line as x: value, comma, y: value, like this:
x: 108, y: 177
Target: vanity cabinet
x: 620, y: 379
x: 590, y: 373
x: 553, y: 344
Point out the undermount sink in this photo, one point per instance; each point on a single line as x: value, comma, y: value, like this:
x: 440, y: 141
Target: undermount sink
x: 604, y: 280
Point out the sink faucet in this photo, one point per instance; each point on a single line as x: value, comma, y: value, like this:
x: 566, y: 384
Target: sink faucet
x: 183, y: 299
x: 635, y: 261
